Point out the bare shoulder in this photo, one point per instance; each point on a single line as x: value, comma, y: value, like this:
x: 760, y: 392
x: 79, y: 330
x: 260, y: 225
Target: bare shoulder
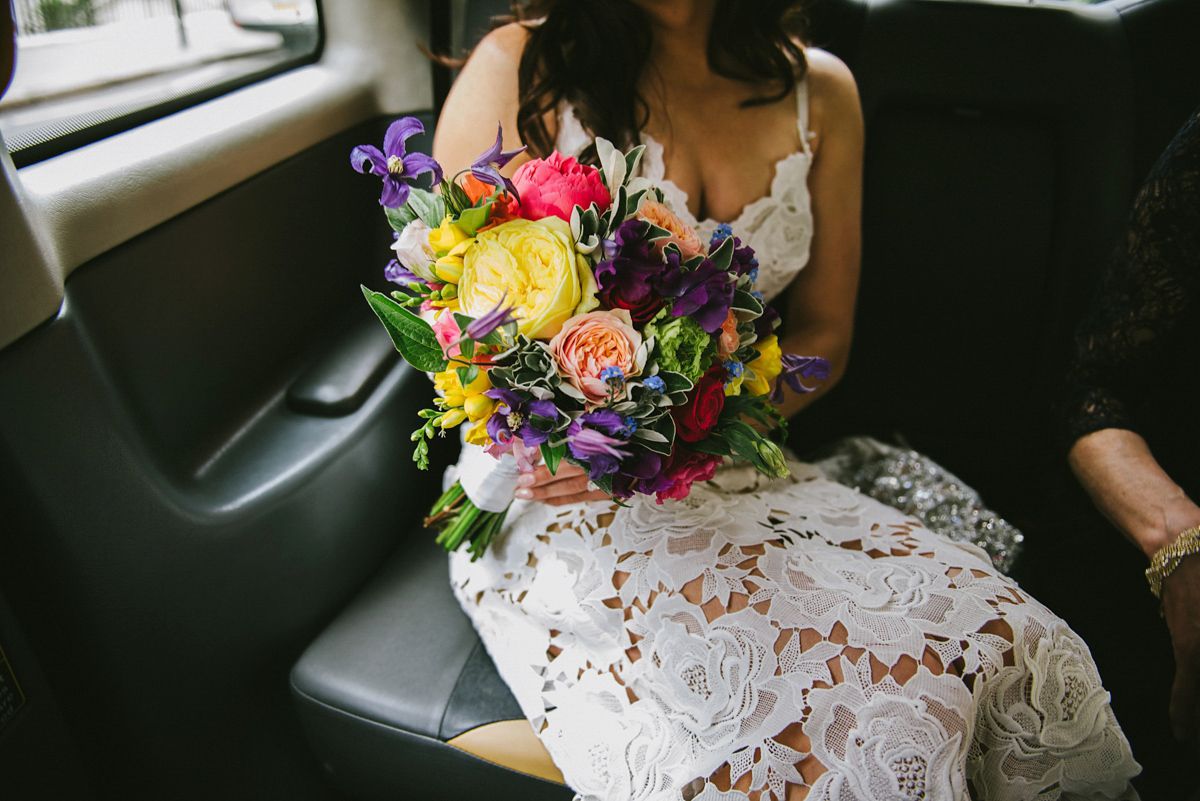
x: 485, y: 94
x: 833, y: 102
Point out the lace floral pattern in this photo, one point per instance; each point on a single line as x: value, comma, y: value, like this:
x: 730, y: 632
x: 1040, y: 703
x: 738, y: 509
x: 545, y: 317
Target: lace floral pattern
x: 762, y: 639
x: 767, y: 640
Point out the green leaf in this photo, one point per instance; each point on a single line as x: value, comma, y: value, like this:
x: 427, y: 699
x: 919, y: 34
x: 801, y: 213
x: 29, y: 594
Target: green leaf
x: 400, y: 218
x: 723, y: 255
x: 428, y: 206
x: 411, y: 335
x: 744, y: 301
x: 473, y: 218
x: 467, y: 374
x: 552, y: 455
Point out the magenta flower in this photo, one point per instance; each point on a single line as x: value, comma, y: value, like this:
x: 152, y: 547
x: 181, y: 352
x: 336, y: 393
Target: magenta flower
x: 394, y: 164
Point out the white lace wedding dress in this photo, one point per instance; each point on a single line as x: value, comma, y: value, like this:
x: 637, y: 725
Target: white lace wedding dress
x: 814, y: 598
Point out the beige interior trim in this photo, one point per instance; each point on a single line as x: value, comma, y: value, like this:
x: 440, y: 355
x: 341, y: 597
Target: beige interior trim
x: 58, y: 214
x: 511, y: 744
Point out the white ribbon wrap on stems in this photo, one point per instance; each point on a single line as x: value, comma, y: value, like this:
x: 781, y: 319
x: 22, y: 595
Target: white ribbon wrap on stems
x: 490, y: 484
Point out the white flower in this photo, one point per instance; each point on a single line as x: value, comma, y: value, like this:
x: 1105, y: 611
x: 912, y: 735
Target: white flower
x: 413, y: 250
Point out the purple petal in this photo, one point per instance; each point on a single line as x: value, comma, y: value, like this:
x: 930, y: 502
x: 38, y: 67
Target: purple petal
x: 368, y: 159
x: 488, y: 322
x: 498, y: 430
x: 395, y: 272
x: 417, y: 163
x: 507, y: 399
x: 398, y: 133
x: 395, y: 192
x: 796, y: 367
x: 493, y: 156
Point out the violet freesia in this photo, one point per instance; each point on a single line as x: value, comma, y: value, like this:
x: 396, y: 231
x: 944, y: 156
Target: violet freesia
x: 796, y: 367
x: 627, y: 278
x: 704, y: 294
x: 528, y: 418
x: 487, y: 167
x: 395, y: 164
x: 592, y: 438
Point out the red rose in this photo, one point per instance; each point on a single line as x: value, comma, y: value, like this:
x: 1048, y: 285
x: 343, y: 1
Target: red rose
x: 641, y: 311
x: 684, y: 469
x: 696, y: 418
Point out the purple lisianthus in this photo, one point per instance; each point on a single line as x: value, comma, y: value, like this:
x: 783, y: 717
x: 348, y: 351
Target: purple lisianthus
x: 394, y: 164
x: 797, y: 367
x: 627, y: 278
x: 528, y: 418
x: 764, y: 325
x: 641, y: 473
x: 595, y: 438
x: 704, y: 294
x: 487, y: 167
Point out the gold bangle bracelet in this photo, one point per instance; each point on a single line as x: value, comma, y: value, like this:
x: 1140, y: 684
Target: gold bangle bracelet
x: 1167, y: 558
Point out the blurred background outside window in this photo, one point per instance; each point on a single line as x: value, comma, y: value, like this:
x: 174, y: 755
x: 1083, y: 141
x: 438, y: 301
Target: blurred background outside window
x: 89, y: 68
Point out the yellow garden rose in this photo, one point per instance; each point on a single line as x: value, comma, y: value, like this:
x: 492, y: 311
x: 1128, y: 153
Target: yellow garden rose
x: 765, y: 369
x: 535, y: 265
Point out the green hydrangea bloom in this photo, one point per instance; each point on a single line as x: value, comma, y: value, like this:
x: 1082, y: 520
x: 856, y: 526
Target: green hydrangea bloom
x: 681, y: 345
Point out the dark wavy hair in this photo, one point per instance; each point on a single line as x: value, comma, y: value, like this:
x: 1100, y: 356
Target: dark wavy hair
x: 592, y: 52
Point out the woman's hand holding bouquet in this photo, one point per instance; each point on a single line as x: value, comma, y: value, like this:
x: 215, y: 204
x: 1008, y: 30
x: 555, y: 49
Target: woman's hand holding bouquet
x: 569, y: 315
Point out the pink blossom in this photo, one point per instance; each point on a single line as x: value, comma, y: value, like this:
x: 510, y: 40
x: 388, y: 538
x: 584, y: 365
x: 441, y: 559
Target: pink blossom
x: 553, y: 186
x: 445, y: 328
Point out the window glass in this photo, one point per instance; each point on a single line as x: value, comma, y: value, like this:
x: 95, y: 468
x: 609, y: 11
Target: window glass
x: 89, y: 68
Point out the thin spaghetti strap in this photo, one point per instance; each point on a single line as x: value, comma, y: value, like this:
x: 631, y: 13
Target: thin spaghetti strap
x: 802, y: 114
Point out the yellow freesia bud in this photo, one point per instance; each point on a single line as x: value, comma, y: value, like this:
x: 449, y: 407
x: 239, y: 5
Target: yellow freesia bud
x: 454, y: 398
x: 449, y: 269
x: 478, y: 407
x: 734, y: 387
x: 452, y: 418
x: 763, y: 370
x: 481, y: 384
x: 446, y: 237
x: 478, y: 435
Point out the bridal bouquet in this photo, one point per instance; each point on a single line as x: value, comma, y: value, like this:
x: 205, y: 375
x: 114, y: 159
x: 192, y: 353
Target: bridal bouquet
x: 569, y: 314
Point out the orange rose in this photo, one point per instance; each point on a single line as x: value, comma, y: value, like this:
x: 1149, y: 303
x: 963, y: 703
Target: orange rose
x: 592, y: 342
x: 729, y: 340
x: 682, y: 234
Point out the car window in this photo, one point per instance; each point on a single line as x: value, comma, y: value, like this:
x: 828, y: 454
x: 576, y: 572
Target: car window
x: 86, y: 69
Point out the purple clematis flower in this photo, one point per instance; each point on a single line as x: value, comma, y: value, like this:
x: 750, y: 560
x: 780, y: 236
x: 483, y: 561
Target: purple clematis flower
x: 488, y: 322
x: 530, y: 419
x: 704, y: 294
x: 592, y: 439
x: 487, y: 167
x: 395, y: 165
x: 797, y: 367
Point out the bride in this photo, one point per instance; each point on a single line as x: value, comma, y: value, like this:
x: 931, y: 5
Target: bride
x: 761, y: 639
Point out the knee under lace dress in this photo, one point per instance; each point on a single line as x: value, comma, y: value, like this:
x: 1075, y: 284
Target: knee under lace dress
x: 834, y: 647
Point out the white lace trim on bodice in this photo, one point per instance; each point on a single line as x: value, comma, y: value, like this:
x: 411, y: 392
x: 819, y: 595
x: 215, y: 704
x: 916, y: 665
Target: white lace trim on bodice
x: 779, y: 225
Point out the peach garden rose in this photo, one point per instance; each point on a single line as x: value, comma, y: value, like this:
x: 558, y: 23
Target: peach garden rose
x: 682, y: 234
x: 591, y: 343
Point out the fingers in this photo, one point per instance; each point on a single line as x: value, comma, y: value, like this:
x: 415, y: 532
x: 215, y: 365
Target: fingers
x: 569, y: 485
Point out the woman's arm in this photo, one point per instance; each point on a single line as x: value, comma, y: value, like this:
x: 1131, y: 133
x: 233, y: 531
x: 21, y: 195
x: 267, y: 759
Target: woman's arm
x: 484, y: 94
x: 1127, y: 485
x: 822, y: 297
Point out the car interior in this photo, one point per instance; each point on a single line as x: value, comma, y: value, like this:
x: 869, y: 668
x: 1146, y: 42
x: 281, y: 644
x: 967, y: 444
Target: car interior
x: 214, y: 580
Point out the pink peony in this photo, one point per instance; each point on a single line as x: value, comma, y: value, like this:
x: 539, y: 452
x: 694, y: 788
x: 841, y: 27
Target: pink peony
x: 592, y: 342
x: 553, y: 186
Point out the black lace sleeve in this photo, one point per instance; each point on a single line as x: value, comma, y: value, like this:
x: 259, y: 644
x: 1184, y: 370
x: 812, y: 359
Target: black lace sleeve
x: 1143, y: 318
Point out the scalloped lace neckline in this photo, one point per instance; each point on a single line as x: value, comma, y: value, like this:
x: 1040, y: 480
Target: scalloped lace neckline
x: 654, y: 169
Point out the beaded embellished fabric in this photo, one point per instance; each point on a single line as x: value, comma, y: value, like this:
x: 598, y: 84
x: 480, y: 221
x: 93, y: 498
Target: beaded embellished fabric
x: 1139, y: 346
x: 793, y: 638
